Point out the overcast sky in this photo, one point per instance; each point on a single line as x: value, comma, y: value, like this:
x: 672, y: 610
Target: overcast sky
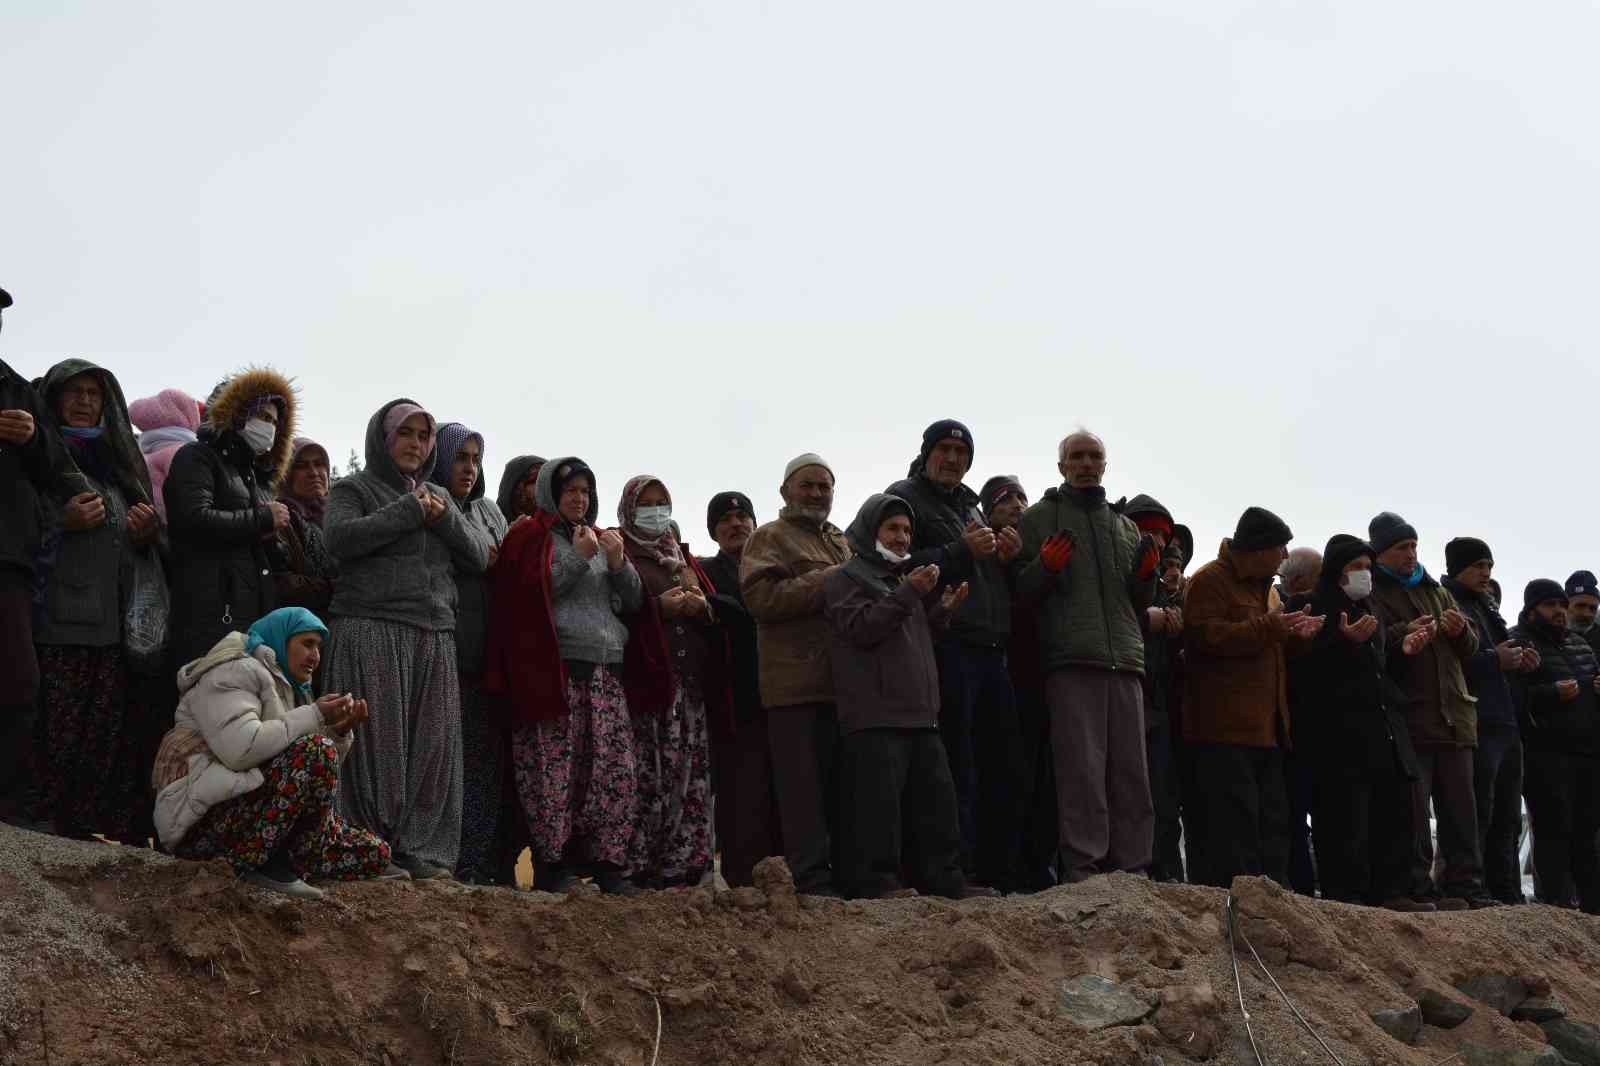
x: 1328, y: 258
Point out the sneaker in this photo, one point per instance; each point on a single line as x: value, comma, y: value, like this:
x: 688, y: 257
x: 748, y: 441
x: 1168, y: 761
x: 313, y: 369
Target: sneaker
x: 393, y: 873
x: 1408, y: 906
x: 420, y: 870
x: 1451, y: 903
x: 276, y: 875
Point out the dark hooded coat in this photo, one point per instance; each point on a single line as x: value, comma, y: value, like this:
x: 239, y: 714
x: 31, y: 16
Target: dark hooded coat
x: 88, y: 573
x: 880, y: 645
x: 393, y: 567
x: 219, y: 515
x: 516, y: 470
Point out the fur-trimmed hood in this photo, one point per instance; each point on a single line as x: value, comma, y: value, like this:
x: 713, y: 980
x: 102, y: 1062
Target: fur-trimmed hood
x: 227, y: 409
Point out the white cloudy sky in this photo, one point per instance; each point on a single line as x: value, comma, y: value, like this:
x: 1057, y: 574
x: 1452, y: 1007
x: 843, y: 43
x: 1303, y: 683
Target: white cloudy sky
x: 1329, y: 258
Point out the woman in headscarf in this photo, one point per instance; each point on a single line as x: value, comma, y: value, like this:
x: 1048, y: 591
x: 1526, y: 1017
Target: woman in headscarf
x: 517, y: 484
x: 459, y: 472
x: 671, y: 844
x: 394, y: 536
x: 309, y: 570
x: 89, y: 741
x: 557, y: 642
x: 250, y: 769
x: 166, y: 422
x: 224, y: 521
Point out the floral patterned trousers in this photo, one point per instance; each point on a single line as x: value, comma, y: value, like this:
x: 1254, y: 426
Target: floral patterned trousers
x: 292, y: 808
x: 672, y: 837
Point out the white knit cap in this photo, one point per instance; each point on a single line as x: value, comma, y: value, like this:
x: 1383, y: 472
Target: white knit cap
x: 808, y: 459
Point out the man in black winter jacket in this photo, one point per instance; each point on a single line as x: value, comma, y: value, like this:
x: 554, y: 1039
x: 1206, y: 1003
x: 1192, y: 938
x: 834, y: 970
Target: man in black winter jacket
x: 1560, y: 710
x: 32, y: 464
x: 1497, y: 761
x: 977, y: 710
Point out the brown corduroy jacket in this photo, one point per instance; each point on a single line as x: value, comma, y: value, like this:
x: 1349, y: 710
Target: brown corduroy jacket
x: 1234, y: 674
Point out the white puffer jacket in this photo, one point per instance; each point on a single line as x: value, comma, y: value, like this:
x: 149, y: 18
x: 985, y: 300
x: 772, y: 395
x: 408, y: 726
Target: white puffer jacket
x: 244, y: 710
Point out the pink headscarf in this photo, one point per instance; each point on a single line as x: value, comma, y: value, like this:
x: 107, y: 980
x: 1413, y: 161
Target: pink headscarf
x: 395, y: 418
x: 662, y: 547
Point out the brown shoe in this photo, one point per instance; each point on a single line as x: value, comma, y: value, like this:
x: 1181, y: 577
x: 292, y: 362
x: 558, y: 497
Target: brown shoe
x: 1408, y: 906
x: 1451, y: 903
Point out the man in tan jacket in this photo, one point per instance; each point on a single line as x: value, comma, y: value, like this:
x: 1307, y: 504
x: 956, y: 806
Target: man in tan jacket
x: 781, y: 576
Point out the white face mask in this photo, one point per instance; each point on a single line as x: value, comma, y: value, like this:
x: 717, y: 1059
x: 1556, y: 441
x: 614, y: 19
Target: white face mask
x: 259, y: 434
x: 892, y: 556
x: 653, y: 520
x: 1358, y: 584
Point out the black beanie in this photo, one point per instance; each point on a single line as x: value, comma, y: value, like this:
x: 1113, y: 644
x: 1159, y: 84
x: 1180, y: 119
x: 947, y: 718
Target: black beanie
x: 1259, y: 528
x: 999, y: 486
x: 944, y: 429
x: 1462, y: 552
x: 721, y: 504
x: 1582, y: 583
x: 1387, y: 530
x: 1540, y: 590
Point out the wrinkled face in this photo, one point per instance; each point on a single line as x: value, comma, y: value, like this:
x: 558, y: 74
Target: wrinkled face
x: 526, y: 500
x: 82, y: 401
x: 574, y: 502
x: 1400, y: 557
x: 948, y: 462
x: 412, y: 442
x: 465, y: 467
x: 894, y: 533
x: 1476, y: 577
x: 1581, y: 610
x: 654, y: 495
x: 1172, y: 573
x: 733, y: 530
x: 811, y: 489
x: 1083, y: 460
x: 1008, y: 511
x: 1552, y: 613
x: 304, y: 653
x: 308, y: 477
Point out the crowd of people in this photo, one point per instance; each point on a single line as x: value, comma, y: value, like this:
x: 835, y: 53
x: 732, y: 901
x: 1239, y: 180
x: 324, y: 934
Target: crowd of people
x: 212, y: 644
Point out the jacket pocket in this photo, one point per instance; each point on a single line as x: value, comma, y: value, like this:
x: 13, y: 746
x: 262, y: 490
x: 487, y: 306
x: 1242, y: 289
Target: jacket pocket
x: 75, y: 600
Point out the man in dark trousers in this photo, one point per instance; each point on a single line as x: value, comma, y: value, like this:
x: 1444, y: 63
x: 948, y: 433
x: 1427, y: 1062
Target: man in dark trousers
x: 32, y: 464
x: 741, y: 764
x: 1497, y: 762
x: 977, y: 708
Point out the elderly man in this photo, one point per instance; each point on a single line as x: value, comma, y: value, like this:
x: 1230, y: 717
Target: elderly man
x: 1561, y: 728
x: 1297, y: 575
x: 977, y: 708
x: 781, y: 576
x: 31, y: 463
x: 1090, y: 575
x: 747, y: 805
x: 1297, y: 579
x: 1440, y: 713
x: 1497, y: 761
x: 1236, y: 708
x: 1583, y: 600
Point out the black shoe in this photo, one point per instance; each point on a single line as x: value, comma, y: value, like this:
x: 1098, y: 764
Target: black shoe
x: 616, y: 883
x: 552, y: 877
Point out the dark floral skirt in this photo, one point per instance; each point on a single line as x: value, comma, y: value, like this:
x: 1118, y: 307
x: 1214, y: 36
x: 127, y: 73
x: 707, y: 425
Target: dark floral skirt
x: 293, y: 809
x: 86, y: 774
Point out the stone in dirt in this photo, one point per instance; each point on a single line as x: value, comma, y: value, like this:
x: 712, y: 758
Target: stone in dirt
x: 1092, y: 1002
x: 772, y: 877
x: 1441, y: 1011
x: 1500, y: 991
x: 1539, y: 1009
x: 1578, y: 1041
x: 1188, y: 1019
x: 1402, y: 1023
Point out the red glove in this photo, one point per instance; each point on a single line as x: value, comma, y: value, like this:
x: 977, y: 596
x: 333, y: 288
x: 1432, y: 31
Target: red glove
x: 1149, y: 558
x: 1056, y: 552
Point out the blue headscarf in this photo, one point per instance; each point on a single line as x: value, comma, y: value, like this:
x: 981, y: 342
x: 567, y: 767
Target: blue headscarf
x: 275, y: 629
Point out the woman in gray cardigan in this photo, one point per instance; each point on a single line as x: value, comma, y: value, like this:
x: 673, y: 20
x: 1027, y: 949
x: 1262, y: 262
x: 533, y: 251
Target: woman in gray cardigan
x: 395, y: 537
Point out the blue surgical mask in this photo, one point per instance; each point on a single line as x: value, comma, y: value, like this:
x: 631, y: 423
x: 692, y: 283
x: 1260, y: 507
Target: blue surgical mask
x: 654, y: 520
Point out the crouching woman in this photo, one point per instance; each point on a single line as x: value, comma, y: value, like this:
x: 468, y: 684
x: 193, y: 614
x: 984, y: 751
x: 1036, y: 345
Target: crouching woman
x: 250, y: 770
x: 895, y: 778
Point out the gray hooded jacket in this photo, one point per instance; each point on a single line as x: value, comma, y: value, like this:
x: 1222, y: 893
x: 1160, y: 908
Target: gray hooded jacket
x: 587, y: 597
x: 391, y: 566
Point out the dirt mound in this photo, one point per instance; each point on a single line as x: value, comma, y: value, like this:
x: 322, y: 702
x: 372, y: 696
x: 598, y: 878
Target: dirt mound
x: 1113, y: 971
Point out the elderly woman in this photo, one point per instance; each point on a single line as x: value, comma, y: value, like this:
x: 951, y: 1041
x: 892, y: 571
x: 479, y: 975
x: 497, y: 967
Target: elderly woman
x: 250, y: 768
x: 672, y: 735
x: 483, y: 742
x: 223, y: 518
x: 395, y: 537
x: 309, y: 571
x: 87, y: 747
x: 557, y: 643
